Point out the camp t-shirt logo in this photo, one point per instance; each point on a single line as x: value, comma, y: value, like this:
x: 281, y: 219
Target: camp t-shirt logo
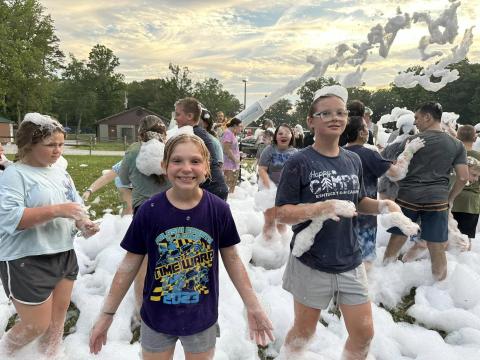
x: 328, y: 183
x: 185, y: 256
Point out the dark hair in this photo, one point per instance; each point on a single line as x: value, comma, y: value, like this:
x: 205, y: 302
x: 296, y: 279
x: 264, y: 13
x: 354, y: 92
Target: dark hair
x: 151, y: 124
x: 292, y: 139
x: 356, y: 108
x: 207, y: 118
x: 466, y: 133
x: 234, y: 122
x: 432, y: 108
x: 401, y: 131
x: 355, y: 124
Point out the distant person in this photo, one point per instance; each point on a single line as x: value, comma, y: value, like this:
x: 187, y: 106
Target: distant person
x: 424, y: 193
x: 206, y: 121
x: 299, y: 136
x: 466, y: 206
x: 372, y: 127
x: 220, y: 123
x: 270, y: 167
x: 231, y: 153
x: 258, y: 135
x: 187, y: 113
x: 267, y: 140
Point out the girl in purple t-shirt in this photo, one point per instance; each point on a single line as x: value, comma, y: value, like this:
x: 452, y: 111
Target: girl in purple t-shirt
x: 182, y: 230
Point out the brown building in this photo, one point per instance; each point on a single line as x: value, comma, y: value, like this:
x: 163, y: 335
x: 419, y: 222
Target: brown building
x: 6, y: 130
x: 124, y: 124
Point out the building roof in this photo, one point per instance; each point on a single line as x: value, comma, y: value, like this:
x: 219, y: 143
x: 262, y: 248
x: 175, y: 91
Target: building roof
x: 130, y: 117
x: 5, y: 120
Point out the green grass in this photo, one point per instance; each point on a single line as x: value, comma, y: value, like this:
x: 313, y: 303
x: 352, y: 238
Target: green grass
x: 84, y: 176
x: 112, y: 146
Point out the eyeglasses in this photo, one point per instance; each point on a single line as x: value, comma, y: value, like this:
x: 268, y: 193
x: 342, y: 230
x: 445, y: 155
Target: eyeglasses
x: 329, y: 115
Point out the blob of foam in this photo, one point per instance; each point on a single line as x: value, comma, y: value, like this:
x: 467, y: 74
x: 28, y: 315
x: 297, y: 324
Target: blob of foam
x: 150, y: 157
x: 336, y: 90
x: 305, y: 238
x: 397, y: 219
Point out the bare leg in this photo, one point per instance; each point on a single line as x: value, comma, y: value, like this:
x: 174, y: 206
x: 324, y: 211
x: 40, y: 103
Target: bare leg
x: 165, y: 355
x: 51, y: 340
x: 439, y: 260
x: 415, y: 251
x: 303, y: 329
x: 359, y: 324
x: 34, y: 321
x: 207, y: 355
x: 393, y: 248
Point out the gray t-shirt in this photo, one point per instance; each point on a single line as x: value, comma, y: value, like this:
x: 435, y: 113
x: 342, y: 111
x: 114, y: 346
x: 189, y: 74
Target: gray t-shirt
x: 309, y: 177
x: 428, y: 174
x: 273, y: 159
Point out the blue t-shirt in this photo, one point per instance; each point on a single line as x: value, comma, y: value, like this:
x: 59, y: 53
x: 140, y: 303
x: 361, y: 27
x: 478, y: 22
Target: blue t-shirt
x: 273, y: 159
x: 308, y: 177
x: 215, y: 183
x: 23, y: 186
x: 180, y: 295
x: 374, y: 166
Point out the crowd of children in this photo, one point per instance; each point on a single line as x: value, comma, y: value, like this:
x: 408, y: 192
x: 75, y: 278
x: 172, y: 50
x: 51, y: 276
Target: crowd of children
x: 182, y: 225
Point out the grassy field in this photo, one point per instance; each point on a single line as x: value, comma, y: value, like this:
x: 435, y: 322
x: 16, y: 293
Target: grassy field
x: 86, y: 169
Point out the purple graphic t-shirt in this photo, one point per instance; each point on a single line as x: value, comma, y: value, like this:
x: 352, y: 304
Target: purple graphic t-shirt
x: 180, y: 295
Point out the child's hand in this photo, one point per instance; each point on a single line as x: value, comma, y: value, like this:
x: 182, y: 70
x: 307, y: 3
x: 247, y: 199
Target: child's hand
x: 260, y: 326
x: 98, y: 334
x: 87, y: 227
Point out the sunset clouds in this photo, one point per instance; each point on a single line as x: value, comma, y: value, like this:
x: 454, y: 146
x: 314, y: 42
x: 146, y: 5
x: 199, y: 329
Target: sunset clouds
x: 266, y: 41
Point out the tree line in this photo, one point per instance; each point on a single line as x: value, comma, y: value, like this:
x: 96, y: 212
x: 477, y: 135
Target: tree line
x: 36, y: 76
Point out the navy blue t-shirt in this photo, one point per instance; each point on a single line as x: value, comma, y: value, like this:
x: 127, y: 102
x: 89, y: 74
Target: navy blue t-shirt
x: 180, y: 295
x: 216, y: 183
x: 309, y: 177
x: 373, y: 165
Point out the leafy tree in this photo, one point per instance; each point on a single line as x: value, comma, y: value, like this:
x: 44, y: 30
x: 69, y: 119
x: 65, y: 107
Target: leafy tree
x: 29, y: 56
x: 102, y: 79
x: 212, y: 95
x: 280, y: 112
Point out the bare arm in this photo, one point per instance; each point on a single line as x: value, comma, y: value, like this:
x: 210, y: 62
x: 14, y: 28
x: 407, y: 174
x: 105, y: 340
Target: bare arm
x: 263, y: 174
x: 259, y: 324
x: 460, y: 181
x: 126, y: 272
x: 294, y: 214
x: 373, y: 207
x: 103, y: 180
x: 39, y: 215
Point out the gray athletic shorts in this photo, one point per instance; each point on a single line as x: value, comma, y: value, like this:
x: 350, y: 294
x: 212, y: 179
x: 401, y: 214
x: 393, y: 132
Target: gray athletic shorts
x: 316, y: 289
x: 31, y: 280
x: 155, y: 342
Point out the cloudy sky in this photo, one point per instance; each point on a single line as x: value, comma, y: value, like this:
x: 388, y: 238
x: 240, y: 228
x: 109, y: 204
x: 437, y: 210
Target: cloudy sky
x: 266, y: 41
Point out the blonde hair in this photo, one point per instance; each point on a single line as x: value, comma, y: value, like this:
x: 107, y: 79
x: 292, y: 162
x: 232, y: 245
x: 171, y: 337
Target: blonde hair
x: 29, y: 134
x: 186, y: 138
